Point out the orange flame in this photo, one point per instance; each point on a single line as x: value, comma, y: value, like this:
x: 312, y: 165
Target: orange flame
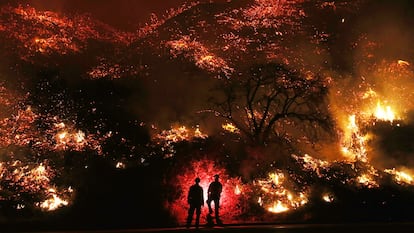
x: 385, y: 114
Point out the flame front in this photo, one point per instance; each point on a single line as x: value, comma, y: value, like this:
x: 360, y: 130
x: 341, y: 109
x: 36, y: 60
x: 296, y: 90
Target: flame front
x: 385, y: 114
x: 275, y: 197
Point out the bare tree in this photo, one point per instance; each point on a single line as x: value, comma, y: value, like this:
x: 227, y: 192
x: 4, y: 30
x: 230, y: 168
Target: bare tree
x: 270, y: 103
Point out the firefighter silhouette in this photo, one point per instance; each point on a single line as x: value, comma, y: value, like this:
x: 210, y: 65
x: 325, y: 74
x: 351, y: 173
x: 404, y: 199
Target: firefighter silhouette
x: 195, y: 199
x: 214, y: 192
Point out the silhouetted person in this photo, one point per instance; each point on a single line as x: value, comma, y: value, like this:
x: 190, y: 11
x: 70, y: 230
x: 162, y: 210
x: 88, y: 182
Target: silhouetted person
x: 195, y: 199
x: 214, y: 192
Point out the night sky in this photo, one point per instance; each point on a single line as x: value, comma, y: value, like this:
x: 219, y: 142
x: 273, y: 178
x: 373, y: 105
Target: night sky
x: 126, y: 14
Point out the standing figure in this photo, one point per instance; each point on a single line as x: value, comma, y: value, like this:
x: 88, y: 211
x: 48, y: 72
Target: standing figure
x: 195, y: 199
x: 214, y: 192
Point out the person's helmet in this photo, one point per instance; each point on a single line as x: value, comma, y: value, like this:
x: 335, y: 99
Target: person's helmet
x: 197, y: 180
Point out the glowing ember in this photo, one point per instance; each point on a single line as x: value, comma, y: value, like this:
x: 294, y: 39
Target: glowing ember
x: 120, y: 165
x: 74, y: 140
x: 328, y: 198
x: 312, y: 164
x: 33, y: 180
x: 278, y: 207
x: 276, y: 197
x: 403, y: 63
x: 53, y: 203
x: 180, y: 133
x: 367, y: 180
x: 199, y: 134
x: 19, y: 127
x: 46, y: 32
x: 230, y: 128
x: 197, y: 52
x: 167, y: 138
x: 237, y: 190
x: 112, y: 70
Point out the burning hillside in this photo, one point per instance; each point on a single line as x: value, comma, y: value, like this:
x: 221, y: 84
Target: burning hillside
x: 292, y: 109
x: 47, y: 32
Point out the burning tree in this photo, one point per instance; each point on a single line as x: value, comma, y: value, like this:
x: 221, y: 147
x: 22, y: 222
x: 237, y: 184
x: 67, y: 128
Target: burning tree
x: 273, y: 104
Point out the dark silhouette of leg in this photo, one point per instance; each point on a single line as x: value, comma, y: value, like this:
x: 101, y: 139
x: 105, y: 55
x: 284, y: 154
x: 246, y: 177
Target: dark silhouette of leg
x: 216, y: 211
x: 190, y: 215
x: 216, y: 207
x: 209, y: 220
x: 210, y: 210
x: 198, y: 213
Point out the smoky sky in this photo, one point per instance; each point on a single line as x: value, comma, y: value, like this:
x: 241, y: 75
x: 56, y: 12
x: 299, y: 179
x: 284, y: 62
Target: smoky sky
x: 122, y: 14
x: 392, y: 143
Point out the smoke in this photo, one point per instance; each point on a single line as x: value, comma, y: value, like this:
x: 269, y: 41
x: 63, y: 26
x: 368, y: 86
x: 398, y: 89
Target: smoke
x: 170, y: 96
x: 125, y: 15
x: 381, y: 77
x: 389, y: 23
x: 393, y: 145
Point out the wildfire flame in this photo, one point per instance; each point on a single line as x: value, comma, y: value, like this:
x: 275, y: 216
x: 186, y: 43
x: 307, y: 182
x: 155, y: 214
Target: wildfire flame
x: 401, y: 177
x: 278, y: 207
x: 328, y: 197
x: 276, y: 197
x: 237, y: 190
x: 354, y: 142
x: 385, y: 114
x: 367, y: 180
x: 200, y: 54
x: 61, y: 35
x: 229, y: 127
x: 54, y: 202
x: 167, y: 138
x: 180, y: 133
x: 19, y: 127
